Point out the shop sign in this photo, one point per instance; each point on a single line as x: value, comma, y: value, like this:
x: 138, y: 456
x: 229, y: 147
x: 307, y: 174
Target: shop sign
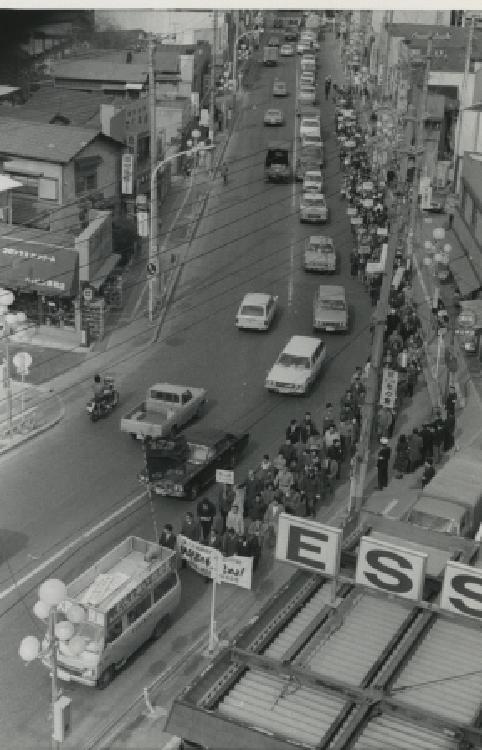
x: 425, y: 190
x: 388, y: 392
x: 462, y: 590
x: 225, y: 476
x: 28, y: 254
x: 308, y: 544
x: 142, y: 223
x: 127, y: 173
x: 390, y: 568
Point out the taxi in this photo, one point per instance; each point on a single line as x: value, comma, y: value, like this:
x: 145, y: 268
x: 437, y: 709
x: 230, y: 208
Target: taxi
x: 313, y: 208
x: 257, y: 311
x: 319, y: 254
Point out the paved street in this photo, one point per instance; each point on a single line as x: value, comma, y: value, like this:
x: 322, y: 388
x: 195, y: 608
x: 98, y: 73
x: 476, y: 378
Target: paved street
x: 249, y: 239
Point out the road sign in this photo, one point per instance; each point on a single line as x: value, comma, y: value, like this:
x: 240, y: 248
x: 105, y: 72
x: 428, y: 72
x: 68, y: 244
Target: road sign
x: 88, y: 294
x: 127, y: 173
x: 22, y: 362
x: 225, y: 476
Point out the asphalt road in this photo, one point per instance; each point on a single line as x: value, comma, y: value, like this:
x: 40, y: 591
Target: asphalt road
x: 250, y: 239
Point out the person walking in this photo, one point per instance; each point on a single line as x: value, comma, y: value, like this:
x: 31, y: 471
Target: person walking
x: 293, y: 432
x: 225, y: 501
x: 229, y: 543
x: 190, y: 528
x: 383, y: 459
x: 415, y: 445
x: 428, y: 472
x: 451, y: 401
x: 235, y: 520
x: 272, y: 518
x: 167, y: 537
x: 225, y: 173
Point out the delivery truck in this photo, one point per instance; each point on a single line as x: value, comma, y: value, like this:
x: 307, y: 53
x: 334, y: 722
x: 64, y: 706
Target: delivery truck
x: 166, y: 409
x: 270, y: 55
x: 115, y: 606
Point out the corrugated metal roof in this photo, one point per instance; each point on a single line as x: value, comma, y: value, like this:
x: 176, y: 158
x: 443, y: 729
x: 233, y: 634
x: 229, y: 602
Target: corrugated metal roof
x: 282, y: 706
x: 348, y: 652
x: 385, y: 732
x: 443, y: 674
x: 101, y: 70
x: 54, y: 143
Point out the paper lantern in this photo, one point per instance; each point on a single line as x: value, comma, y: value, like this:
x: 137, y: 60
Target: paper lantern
x: 76, y: 614
x: 41, y: 610
x: 52, y: 592
x: 77, y: 644
x: 64, y: 630
x: 29, y: 648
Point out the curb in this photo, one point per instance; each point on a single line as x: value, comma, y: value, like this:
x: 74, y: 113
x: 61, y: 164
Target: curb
x: 38, y: 431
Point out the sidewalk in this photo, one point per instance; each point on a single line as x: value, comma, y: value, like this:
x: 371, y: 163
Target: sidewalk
x: 34, y: 410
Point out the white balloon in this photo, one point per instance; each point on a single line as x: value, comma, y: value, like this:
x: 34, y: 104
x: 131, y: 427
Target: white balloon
x: 77, y: 644
x: 64, y: 630
x: 52, y: 592
x: 76, y: 614
x: 29, y: 648
x: 41, y: 610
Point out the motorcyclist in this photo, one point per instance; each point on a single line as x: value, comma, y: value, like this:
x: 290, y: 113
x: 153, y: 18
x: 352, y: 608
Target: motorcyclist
x: 98, y: 389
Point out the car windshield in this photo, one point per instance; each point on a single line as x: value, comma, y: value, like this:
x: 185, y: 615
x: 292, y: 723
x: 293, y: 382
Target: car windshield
x: 252, y: 310
x: 293, y: 360
x: 311, y: 139
x: 311, y: 124
x: 332, y: 304
x: 314, y: 201
x: 321, y: 248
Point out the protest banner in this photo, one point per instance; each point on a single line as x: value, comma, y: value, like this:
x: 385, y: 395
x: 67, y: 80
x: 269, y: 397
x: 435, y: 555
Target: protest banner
x: 235, y: 570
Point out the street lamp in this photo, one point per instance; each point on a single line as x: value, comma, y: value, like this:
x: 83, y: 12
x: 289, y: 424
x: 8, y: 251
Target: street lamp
x: 6, y: 299
x: 154, y: 257
x: 51, y: 595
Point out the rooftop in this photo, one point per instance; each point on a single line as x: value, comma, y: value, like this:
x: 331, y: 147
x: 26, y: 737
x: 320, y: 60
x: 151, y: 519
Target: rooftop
x: 101, y: 70
x: 7, y: 90
x: 54, y: 143
x: 82, y: 109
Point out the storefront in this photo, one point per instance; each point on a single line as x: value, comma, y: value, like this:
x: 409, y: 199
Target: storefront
x: 42, y: 270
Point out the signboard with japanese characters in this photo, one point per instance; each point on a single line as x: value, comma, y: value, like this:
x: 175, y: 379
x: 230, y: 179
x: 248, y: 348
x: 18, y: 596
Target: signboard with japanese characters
x: 127, y: 173
x: 425, y: 190
x: 205, y: 560
x: 225, y: 476
x: 388, y: 392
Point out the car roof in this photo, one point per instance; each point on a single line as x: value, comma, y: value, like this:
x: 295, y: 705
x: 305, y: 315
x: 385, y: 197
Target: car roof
x: 311, y: 196
x: 301, y: 343
x: 257, y: 298
x: 273, y: 109
x: 285, y: 145
x: 310, y: 172
x: 171, y: 388
x: 321, y: 239
x: 332, y: 290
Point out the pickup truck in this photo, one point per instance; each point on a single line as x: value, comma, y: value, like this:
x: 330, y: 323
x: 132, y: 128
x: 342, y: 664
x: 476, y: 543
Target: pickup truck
x: 166, y: 409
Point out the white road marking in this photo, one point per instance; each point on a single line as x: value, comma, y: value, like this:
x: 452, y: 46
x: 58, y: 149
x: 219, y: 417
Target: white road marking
x: 293, y: 195
x: 391, y: 505
x: 70, y: 546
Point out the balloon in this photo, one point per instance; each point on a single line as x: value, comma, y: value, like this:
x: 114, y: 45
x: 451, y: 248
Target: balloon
x: 64, y: 630
x: 77, y: 644
x: 52, y: 592
x: 41, y: 610
x: 76, y: 614
x: 29, y: 648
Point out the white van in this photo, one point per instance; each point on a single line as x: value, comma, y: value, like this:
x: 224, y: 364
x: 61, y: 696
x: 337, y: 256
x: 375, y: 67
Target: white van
x: 123, y: 600
x: 297, y: 367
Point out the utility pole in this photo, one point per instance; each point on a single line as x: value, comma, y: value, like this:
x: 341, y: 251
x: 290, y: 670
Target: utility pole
x: 153, y: 269
x: 463, y: 102
x: 235, y: 58
x: 357, y: 487
x: 388, y: 22
x: 213, y: 80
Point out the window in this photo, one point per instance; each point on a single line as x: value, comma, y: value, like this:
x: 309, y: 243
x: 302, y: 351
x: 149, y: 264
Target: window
x: 85, y: 182
x: 138, y: 610
x: 165, y: 586
x: 186, y: 397
x: 113, y: 630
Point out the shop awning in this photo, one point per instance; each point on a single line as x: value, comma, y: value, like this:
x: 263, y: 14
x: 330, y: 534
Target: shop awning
x: 105, y: 269
x: 37, y: 260
x: 463, y: 273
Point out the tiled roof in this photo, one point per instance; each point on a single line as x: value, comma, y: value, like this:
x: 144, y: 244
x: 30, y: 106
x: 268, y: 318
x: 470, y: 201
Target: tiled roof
x: 101, y: 70
x: 54, y: 143
x: 81, y: 108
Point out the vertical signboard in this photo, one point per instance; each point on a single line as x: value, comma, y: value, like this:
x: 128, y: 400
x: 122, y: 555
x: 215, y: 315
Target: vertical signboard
x: 462, y: 590
x: 308, y: 544
x: 391, y: 569
x: 127, y: 173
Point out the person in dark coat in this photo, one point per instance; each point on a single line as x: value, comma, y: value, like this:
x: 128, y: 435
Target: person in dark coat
x: 190, y: 528
x: 449, y: 432
x: 402, y: 460
x: 258, y: 509
x: 415, y: 445
x: 308, y: 428
x: 252, y: 486
x: 438, y: 438
x: 428, y: 472
x: 229, y: 543
x: 451, y: 401
x: 293, y: 432
x: 383, y: 459
x: 412, y: 377
x: 206, y: 510
x: 167, y: 537
x: 225, y: 501
x: 427, y: 448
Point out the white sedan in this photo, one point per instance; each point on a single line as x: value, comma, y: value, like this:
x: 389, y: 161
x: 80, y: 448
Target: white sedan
x: 286, y: 50
x: 319, y: 254
x: 257, y: 311
x: 313, y: 208
x: 273, y: 117
x: 310, y: 126
x: 313, y: 181
x: 311, y: 140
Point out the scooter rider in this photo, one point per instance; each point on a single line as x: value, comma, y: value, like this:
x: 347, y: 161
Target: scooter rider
x: 98, y: 389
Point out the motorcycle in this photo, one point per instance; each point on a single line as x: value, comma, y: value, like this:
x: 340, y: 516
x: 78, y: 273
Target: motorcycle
x: 102, y: 408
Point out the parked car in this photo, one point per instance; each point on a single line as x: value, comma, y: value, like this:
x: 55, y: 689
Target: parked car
x: 308, y: 77
x: 257, y: 311
x: 297, y: 367
x: 306, y: 163
x: 313, y: 208
x: 319, y: 254
x: 307, y: 95
x: 286, y: 50
x: 279, y: 88
x: 311, y: 140
x: 310, y: 126
x: 312, y: 181
x: 273, y: 117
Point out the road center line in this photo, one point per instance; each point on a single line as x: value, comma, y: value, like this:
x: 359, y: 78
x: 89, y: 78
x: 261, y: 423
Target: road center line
x: 71, y: 546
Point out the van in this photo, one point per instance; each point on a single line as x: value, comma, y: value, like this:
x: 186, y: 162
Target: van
x: 125, y: 599
x: 297, y: 367
x: 330, y: 309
